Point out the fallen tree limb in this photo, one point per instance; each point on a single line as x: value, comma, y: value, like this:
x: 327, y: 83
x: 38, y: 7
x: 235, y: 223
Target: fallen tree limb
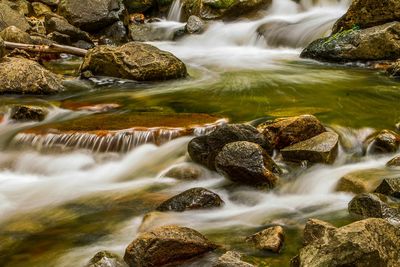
x: 52, y: 49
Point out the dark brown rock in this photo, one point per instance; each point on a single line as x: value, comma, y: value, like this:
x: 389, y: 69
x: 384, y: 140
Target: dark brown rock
x: 394, y: 162
x: 28, y: 113
x: 389, y: 187
x: 271, y: 239
x: 384, y: 142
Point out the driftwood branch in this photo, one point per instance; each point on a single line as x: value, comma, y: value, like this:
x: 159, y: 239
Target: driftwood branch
x: 52, y: 49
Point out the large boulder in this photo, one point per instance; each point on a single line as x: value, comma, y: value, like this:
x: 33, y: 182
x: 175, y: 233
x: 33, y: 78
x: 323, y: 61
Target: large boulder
x: 247, y: 163
x: 106, y: 259
x: 376, y: 43
x: 269, y: 239
x: 134, y: 61
x: 166, y: 245
x: 204, y: 149
x: 13, y: 34
x: 23, y: 76
x: 369, y: 205
x: 370, y: 242
x: 10, y: 17
x: 368, y: 13
x: 322, y: 148
x: 389, y: 187
x: 92, y: 15
x: 231, y: 259
x: 284, y: 132
x: 223, y: 9
x: 192, y: 199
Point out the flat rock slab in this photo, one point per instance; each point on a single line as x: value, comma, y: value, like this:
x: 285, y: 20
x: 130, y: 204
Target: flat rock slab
x: 322, y: 148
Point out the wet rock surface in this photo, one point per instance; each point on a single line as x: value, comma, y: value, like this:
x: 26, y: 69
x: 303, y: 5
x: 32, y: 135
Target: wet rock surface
x: 364, y: 181
x: 185, y: 171
x: 204, y: 149
x: 106, y: 259
x: 166, y: 245
x: 194, y: 25
x: 384, y: 142
x: 271, y: 239
x: 394, y: 162
x: 247, y: 163
x: 389, y: 187
x: 28, y: 113
x: 370, y: 242
x: 134, y: 61
x: 54, y: 23
x: 192, y: 199
x: 231, y: 259
x: 283, y: 132
x: 23, y: 76
x: 322, y: 148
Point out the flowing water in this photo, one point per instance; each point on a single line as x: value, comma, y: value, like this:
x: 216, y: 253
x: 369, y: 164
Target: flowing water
x: 65, y: 196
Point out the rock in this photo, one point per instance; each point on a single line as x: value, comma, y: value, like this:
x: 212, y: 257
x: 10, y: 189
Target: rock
x: 394, y: 162
x: 394, y: 70
x: 138, y: 6
x: 28, y: 113
x: 204, y: 149
x: 192, y: 199
x: 369, y: 205
x: 40, y: 9
x: 23, y: 76
x: 106, y: 259
x: 284, y: 132
x: 376, y: 43
x: 54, y: 23
x: 51, y: 3
x: 194, y: 25
x: 389, y: 187
x: 315, y: 230
x: 269, y: 239
x: 23, y: 7
x: 60, y: 38
x: 10, y: 17
x: 247, y: 163
x: 83, y: 44
x: 13, y: 34
x: 384, y: 142
x: 2, y: 48
x: 322, y: 148
x: 185, y: 171
x: 146, y: 33
x: 368, y: 13
x: 221, y: 9
x: 231, y: 259
x: 92, y: 15
x: 370, y: 242
x: 135, y: 61
x: 166, y: 245
x: 365, y: 181
x: 116, y: 32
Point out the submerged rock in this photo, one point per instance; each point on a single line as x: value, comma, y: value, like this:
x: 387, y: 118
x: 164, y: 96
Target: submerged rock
x: 194, y: 25
x: 389, y: 187
x: 204, y: 149
x: 185, y: 171
x: 166, y: 245
x: 269, y: 239
x: 322, y: 148
x: 231, y: 259
x: 364, y: 181
x: 192, y: 199
x: 10, y: 17
x: 376, y: 43
x: 134, y: 61
x: 28, y: 113
x: 106, y: 259
x: 370, y: 242
x: 13, y: 34
x: 23, y: 76
x: 247, y: 163
x: 384, y: 142
x: 92, y: 15
x: 368, y: 13
x: 369, y: 205
x: 394, y: 162
x: 284, y: 132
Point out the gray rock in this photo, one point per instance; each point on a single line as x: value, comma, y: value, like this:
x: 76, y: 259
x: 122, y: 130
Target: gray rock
x: 192, y: 199
x: 389, y: 187
x: 322, y: 148
x: 231, y: 259
x: 92, y: 15
x: 247, y: 163
x: 23, y: 76
x: 106, y: 259
x: 28, y: 113
x: 369, y: 205
x: 370, y: 242
x: 134, y: 61
x: 364, y: 181
x: 271, y: 239
x: 10, y: 17
x: 376, y: 43
x: 194, y: 25
x: 204, y: 149
x: 166, y: 245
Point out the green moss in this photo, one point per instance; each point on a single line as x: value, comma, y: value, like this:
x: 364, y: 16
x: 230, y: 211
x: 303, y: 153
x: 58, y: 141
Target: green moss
x: 341, y: 34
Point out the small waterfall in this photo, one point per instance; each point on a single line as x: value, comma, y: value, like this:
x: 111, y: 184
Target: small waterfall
x: 111, y: 141
x: 175, y: 11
